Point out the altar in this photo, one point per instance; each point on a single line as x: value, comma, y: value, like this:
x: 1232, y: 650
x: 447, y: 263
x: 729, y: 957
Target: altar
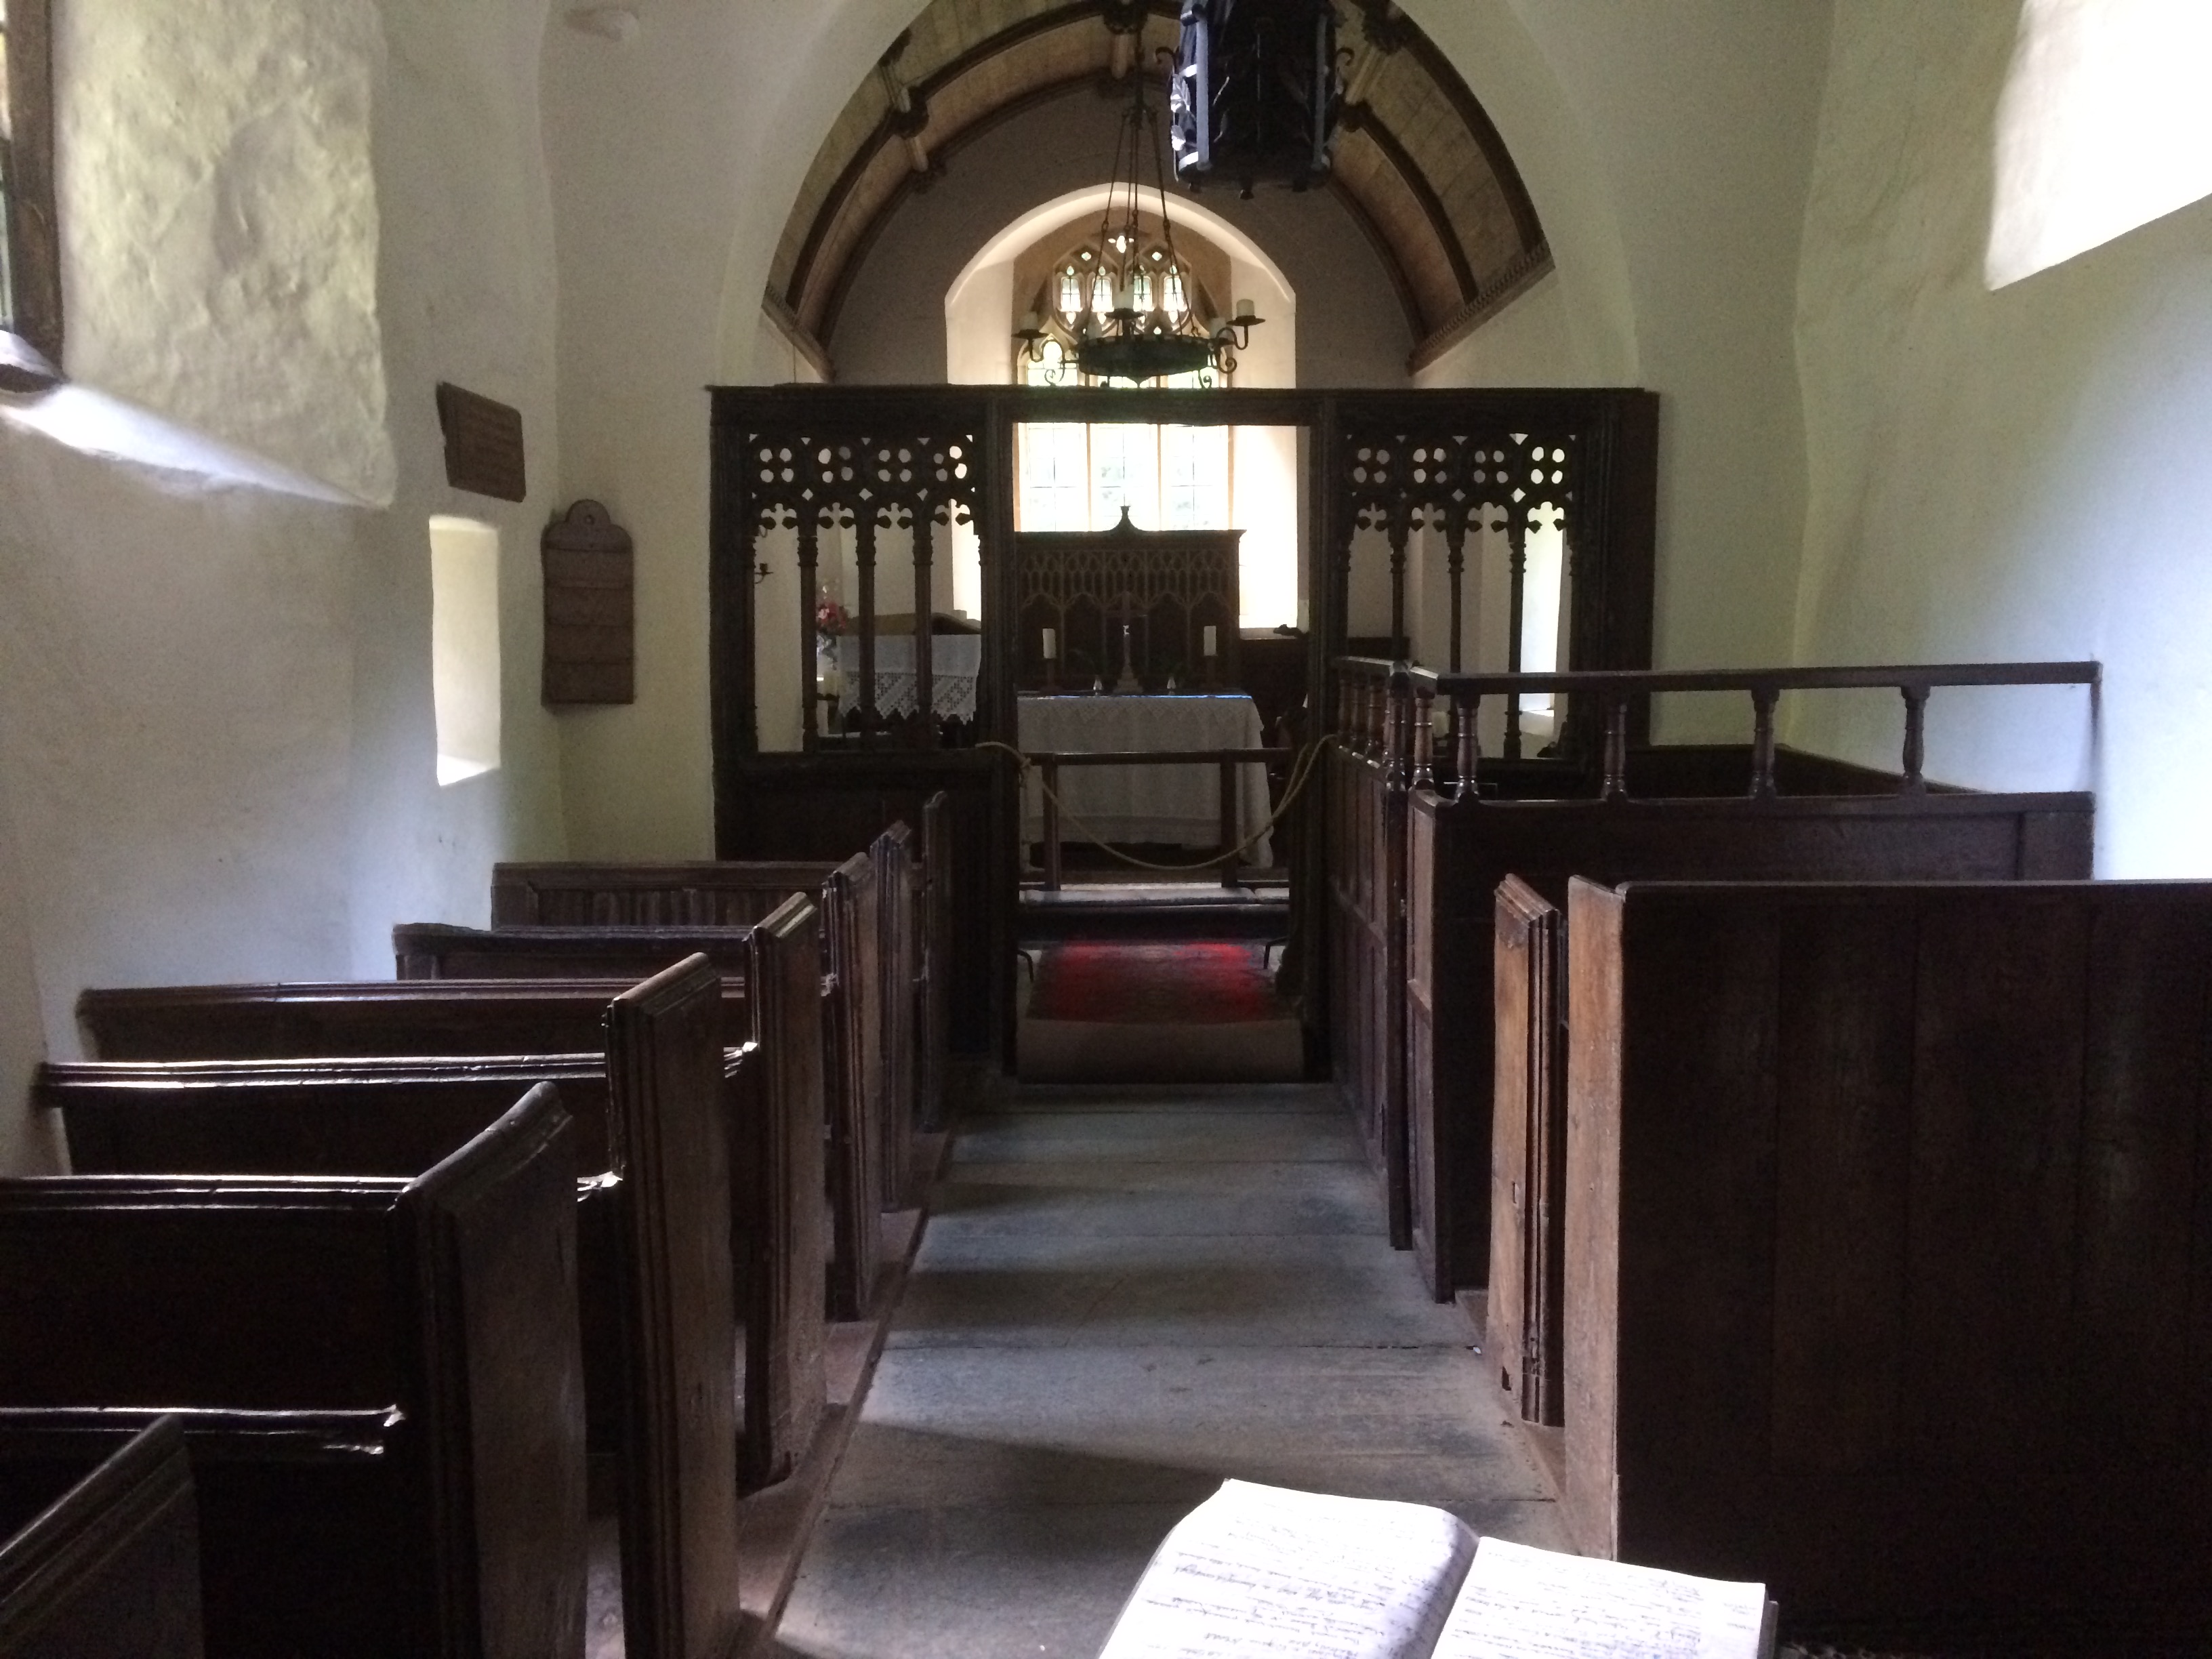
x: 1178, y: 805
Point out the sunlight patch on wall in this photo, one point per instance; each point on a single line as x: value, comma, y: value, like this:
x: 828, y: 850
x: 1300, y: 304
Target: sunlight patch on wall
x: 2103, y: 126
x: 464, y: 646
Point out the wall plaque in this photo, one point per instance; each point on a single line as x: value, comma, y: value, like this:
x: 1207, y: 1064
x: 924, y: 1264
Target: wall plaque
x: 590, y: 609
x: 483, y: 443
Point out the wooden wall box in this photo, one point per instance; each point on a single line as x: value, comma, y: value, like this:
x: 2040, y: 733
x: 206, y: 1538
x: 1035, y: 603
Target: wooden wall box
x: 591, y: 609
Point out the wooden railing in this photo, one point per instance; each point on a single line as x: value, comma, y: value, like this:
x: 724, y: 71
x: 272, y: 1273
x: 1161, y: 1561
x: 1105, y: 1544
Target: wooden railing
x: 1049, y: 766
x: 1386, y: 710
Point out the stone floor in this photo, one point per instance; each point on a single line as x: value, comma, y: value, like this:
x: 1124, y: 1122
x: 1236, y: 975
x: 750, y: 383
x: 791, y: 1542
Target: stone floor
x: 1124, y: 1296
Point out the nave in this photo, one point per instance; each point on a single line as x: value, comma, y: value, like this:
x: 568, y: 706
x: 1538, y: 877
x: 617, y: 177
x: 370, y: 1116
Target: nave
x: 1123, y: 1296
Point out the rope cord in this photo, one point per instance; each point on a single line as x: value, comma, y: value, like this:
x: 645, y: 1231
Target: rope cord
x: 1302, y: 770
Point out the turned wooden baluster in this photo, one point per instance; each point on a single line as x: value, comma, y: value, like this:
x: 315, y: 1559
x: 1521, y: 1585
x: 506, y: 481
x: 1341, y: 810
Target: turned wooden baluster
x: 1424, y: 737
x: 1455, y: 570
x: 1616, y: 747
x: 1763, y: 699
x: 1915, y: 738
x: 864, y: 556
x: 810, y: 554
x: 1468, y: 757
x: 1400, y: 529
x: 1517, y: 542
x: 924, y: 678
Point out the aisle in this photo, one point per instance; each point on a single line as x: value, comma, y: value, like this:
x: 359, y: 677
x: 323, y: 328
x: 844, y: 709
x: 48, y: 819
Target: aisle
x: 1123, y: 1296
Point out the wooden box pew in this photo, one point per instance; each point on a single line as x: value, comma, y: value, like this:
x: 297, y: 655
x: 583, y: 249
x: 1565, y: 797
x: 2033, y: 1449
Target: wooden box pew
x: 1889, y: 1253
x: 104, y: 1562
x: 767, y: 1112
x: 660, y: 1300
x: 721, y: 893
x: 1363, y: 839
x: 861, y: 1140
x: 1459, y: 843
x: 444, y: 1305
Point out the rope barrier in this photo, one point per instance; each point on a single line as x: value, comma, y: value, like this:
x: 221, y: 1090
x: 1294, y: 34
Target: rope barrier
x: 1302, y: 770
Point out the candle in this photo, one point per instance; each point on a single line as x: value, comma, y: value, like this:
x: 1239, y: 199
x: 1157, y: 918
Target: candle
x: 1209, y: 638
x: 1051, y: 645
x: 1245, y: 311
x: 1030, y: 322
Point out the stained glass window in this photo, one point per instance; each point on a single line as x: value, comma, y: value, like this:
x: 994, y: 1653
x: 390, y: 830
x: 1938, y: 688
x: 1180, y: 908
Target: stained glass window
x: 1071, y: 294
x: 1144, y: 288
x: 1101, y: 293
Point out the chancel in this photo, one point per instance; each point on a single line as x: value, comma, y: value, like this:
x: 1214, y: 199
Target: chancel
x: 813, y: 818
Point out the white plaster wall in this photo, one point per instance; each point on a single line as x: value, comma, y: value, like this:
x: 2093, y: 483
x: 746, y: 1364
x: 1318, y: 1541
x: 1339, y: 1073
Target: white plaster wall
x: 217, y: 742
x: 216, y: 182
x: 675, y: 160
x: 1668, y: 150
x: 2007, y: 475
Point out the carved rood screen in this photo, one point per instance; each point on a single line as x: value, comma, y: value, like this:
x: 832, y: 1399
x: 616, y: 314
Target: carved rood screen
x: 1449, y: 481
x: 912, y: 485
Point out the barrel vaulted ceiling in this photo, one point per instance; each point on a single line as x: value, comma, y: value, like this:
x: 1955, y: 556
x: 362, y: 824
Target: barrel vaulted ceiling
x: 1418, y: 163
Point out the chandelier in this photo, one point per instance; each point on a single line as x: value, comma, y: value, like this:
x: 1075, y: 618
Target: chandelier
x: 1131, y: 307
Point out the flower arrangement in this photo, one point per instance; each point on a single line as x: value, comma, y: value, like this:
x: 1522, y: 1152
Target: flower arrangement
x: 830, y: 618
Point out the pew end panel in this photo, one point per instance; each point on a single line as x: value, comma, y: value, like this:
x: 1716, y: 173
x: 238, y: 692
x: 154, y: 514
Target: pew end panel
x: 1526, y: 1160
x: 1900, y: 1282
x: 934, y: 1002
x: 102, y: 1563
x: 679, y: 1464
x: 778, y: 1115
x: 855, y: 1071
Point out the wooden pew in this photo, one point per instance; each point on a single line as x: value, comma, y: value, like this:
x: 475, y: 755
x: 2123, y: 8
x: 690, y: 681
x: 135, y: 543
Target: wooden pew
x: 770, y: 1110
x: 934, y: 998
x: 444, y: 1303
x: 1727, y: 820
x: 1889, y: 1253
x: 107, y: 1565
x: 855, y: 1098
x: 658, y: 1305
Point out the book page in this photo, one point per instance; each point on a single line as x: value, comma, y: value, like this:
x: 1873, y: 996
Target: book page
x: 1262, y: 1572
x: 1523, y: 1603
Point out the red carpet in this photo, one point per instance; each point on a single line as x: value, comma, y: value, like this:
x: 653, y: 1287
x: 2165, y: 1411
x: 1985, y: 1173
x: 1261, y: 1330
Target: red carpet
x: 1190, y: 984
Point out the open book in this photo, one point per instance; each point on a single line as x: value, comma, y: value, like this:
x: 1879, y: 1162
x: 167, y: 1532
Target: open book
x: 1262, y: 1572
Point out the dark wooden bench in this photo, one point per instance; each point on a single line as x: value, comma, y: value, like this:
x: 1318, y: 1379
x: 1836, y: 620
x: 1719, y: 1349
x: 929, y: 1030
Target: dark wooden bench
x: 661, y: 1297
x: 104, y: 1563
x: 851, y: 1040
x: 1889, y: 1253
x: 1417, y: 860
x: 444, y: 1305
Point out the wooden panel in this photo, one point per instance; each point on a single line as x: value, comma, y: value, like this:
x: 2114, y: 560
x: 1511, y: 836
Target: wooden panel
x: 1909, y: 1242
x: 1999, y: 1070
x: 934, y: 1012
x: 680, y: 1459
x: 112, y: 1566
x: 778, y: 1117
x: 434, y: 950
x: 299, y: 1549
x: 898, y: 894
x: 852, y: 1079
x: 1478, y: 844
x: 701, y: 895
x: 483, y: 444
x: 1528, y: 1157
x: 1842, y: 1180
x: 1595, y: 1106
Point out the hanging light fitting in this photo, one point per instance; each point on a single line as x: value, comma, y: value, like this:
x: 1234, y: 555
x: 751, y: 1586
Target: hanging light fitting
x: 1256, y: 94
x: 1138, y: 319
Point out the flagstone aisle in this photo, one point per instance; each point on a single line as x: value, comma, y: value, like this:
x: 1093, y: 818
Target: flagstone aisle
x: 1123, y: 1296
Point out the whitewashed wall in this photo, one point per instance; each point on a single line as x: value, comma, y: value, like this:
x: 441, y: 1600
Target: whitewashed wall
x: 217, y: 745
x: 2015, y: 474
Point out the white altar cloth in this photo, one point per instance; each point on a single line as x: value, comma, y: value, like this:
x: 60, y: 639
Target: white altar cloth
x: 1180, y: 805
x: 954, y: 662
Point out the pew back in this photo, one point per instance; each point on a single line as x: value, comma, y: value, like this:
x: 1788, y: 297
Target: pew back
x: 1889, y: 1246
x: 449, y: 1298
x: 109, y: 1566
x: 1528, y: 1154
